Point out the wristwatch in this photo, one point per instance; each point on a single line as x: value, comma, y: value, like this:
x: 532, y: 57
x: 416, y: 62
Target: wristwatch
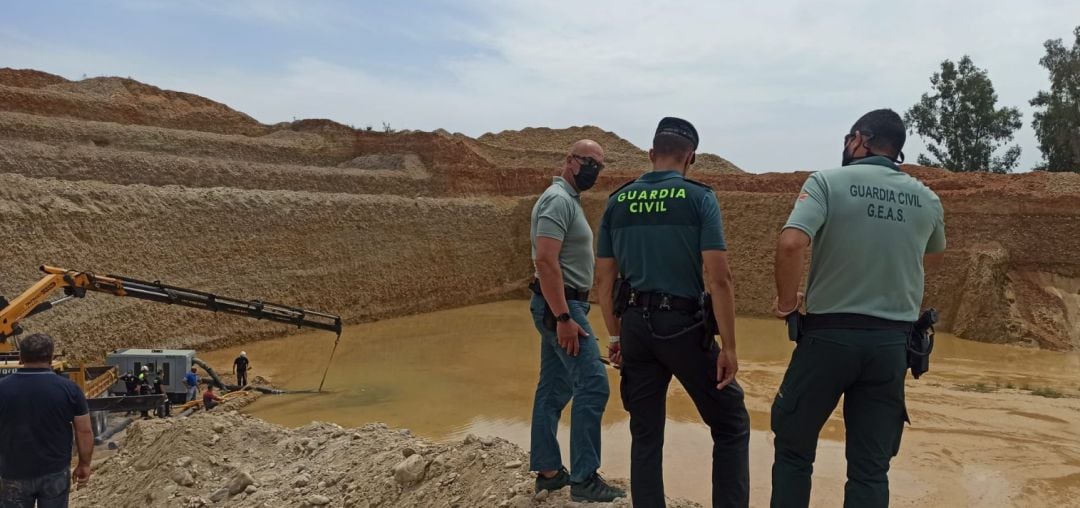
x: 564, y: 317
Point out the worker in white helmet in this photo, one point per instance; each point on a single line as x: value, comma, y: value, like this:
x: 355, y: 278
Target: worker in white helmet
x: 240, y: 368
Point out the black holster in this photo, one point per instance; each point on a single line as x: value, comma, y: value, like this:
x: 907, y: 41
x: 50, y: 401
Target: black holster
x: 548, y: 320
x: 620, y: 296
x: 706, y: 315
x: 921, y: 343
x: 794, y: 326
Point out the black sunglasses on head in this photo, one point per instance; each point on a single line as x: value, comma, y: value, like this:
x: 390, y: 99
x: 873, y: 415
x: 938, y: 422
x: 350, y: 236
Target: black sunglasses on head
x: 588, y: 161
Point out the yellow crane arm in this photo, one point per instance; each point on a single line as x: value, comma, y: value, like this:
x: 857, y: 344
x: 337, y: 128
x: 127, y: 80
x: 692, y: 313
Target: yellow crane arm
x: 36, y: 298
x: 75, y: 284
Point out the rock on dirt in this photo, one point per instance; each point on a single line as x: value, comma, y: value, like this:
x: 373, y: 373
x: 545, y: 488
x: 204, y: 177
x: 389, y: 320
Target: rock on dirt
x: 240, y: 483
x: 410, y: 470
x: 258, y: 464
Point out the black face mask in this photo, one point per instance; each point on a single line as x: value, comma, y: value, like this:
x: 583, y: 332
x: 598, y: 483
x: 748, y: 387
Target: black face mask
x: 586, y: 176
x: 846, y: 158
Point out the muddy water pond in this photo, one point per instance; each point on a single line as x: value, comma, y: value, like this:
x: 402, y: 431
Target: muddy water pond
x: 473, y: 370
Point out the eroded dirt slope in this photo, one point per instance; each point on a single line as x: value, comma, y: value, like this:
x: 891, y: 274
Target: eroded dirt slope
x: 110, y: 174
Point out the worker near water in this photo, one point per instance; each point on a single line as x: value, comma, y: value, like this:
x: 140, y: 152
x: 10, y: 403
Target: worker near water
x: 570, y: 366
x: 659, y: 232
x: 39, y: 413
x: 872, y: 229
x: 164, y: 409
x: 240, y: 369
x: 191, y: 381
x: 131, y: 386
x: 209, y: 398
x: 131, y: 383
x: 144, y: 386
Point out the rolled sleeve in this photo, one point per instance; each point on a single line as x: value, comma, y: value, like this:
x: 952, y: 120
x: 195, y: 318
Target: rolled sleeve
x: 712, y: 224
x: 811, y: 207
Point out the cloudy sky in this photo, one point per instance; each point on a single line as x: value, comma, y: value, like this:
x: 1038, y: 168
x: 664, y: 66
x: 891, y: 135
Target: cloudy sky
x: 772, y: 86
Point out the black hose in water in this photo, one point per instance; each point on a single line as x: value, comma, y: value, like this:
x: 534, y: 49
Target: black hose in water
x: 232, y: 388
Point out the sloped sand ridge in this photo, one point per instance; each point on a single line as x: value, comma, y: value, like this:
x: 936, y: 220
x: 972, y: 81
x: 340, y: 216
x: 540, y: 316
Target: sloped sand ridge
x: 200, y: 194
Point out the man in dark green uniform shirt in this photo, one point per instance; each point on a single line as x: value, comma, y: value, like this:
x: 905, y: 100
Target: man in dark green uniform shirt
x: 870, y: 226
x: 658, y: 232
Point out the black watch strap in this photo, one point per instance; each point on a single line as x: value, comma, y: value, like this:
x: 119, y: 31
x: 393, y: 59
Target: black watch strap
x: 564, y: 317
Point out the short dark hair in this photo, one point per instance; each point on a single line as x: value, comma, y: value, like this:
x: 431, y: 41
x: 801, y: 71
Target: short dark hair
x: 671, y: 145
x: 885, y: 129
x: 38, y: 347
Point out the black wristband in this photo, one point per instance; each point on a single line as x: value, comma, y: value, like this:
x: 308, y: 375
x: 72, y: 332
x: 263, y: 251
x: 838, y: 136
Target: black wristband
x: 564, y: 317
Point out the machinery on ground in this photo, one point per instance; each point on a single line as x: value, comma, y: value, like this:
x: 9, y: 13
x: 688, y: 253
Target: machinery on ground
x: 95, y: 381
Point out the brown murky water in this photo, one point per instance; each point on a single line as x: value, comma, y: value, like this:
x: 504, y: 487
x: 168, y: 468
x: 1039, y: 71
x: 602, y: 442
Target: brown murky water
x: 473, y: 370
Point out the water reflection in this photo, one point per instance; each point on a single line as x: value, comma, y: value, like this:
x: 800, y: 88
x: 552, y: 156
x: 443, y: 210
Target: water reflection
x: 473, y: 370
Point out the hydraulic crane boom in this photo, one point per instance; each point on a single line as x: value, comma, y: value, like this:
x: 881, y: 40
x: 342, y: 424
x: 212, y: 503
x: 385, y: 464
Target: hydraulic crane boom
x: 75, y: 285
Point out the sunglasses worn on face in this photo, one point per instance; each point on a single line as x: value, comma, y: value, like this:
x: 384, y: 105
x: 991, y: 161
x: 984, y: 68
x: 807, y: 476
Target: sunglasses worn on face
x: 588, y: 161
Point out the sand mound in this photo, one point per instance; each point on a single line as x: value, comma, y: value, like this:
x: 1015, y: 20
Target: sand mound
x: 28, y: 78
x: 543, y: 147
x: 544, y: 138
x: 120, y: 100
x: 231, y: 459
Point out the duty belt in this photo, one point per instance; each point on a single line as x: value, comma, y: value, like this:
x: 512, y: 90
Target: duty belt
x: 844, y: 321
x: 662, y: 301
x: 571, y: 293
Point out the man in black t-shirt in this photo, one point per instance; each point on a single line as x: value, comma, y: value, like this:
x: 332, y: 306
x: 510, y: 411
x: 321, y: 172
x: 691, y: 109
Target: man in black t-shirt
x: 38, y: 410
x: 240, y: 368
x: 131, y: 383
x: 159, y: 388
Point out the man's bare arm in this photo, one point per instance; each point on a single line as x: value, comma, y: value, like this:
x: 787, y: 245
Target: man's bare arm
x: 551, y: 280
x: 606, y: 272
x: 84, y: 442
x: 722, y: 288
x: 790, y: 259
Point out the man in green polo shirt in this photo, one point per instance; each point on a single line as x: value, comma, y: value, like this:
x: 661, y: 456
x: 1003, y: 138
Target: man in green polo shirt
x: 870, y: 226
x: 664, y: 235
x: 570, y: 367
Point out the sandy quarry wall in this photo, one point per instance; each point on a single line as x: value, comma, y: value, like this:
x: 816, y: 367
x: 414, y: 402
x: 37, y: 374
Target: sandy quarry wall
x: 112, y: 175
x: 1010, y: 275
x: 365, y: 257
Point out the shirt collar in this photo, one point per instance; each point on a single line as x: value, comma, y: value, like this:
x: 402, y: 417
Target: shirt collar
x: 561, y: 182
x: 660, y: 175
x: 37, y: 370
x: 878, y: 160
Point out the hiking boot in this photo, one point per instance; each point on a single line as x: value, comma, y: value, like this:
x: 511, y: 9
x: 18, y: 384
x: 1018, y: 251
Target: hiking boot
x: 560, y: 480
x: 595, y: 489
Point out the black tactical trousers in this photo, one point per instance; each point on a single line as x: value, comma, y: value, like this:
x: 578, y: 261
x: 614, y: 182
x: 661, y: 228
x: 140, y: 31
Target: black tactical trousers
x: 867, y: 367
x: 648, y: 364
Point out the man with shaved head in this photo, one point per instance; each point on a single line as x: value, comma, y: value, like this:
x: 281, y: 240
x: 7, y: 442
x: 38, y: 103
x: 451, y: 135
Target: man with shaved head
x: 570, y: 367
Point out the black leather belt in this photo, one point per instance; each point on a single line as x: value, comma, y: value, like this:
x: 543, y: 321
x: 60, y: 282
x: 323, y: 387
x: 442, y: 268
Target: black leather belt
x: 663, y: 301
x: 843, y: 321
x: 571, y: 293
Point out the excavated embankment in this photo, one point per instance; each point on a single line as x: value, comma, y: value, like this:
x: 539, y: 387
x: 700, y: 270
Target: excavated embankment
x: 111, y: 175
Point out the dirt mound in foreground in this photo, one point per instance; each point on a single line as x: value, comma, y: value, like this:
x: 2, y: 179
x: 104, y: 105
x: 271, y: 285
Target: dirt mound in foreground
x: 230, y: 459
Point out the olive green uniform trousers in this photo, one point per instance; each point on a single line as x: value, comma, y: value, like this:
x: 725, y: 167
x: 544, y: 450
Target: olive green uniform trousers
x: 868, y: 368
